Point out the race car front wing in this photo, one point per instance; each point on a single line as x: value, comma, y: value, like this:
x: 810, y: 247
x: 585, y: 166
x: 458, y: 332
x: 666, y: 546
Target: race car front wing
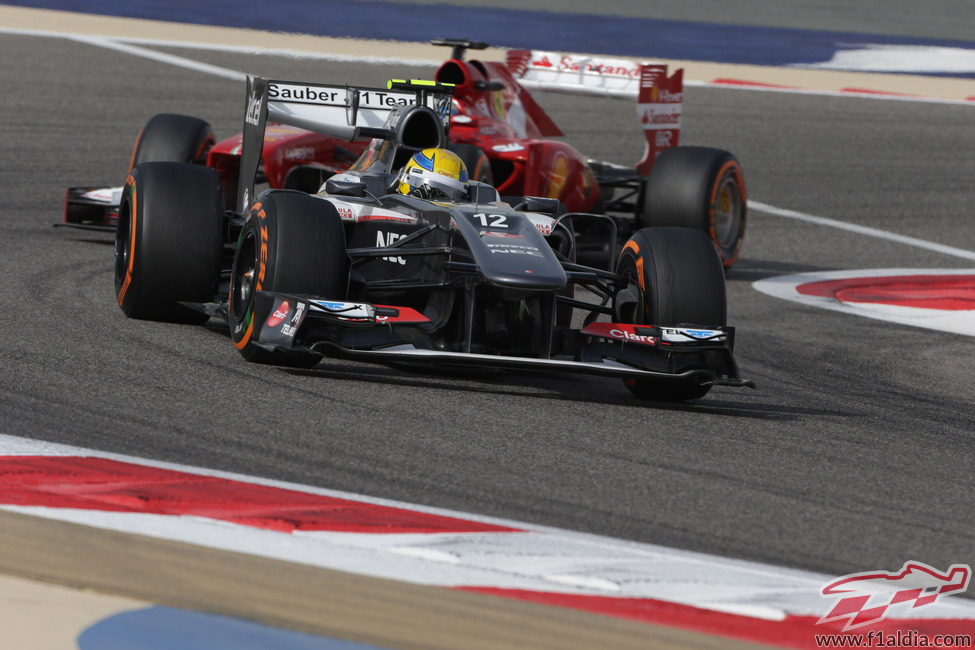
x: 385, y: 334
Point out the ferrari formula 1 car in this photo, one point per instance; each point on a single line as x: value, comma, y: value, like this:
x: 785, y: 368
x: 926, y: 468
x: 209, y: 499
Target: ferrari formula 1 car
x: 507, y: 140
x: 358, y: 269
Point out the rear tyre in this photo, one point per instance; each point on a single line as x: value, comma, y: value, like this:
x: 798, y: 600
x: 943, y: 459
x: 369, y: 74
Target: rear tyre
x: 702, y: 188
x: 168, y: 137
x: 290, y: 243
x: 169, y: 241
x: 675, y: 279
x: 477, y: 163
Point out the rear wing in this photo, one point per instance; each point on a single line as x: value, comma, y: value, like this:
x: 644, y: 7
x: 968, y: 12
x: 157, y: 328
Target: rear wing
x: 341, y: 111
x: 659, y: 97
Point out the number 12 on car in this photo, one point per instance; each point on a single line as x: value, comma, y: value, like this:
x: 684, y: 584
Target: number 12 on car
x: 491, y: 220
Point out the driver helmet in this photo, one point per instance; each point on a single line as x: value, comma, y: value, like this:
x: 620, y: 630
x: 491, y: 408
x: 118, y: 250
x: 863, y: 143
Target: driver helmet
x: 435, y: 174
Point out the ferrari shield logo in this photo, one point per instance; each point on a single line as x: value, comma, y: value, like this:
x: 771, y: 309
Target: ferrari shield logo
x: 497, y: 98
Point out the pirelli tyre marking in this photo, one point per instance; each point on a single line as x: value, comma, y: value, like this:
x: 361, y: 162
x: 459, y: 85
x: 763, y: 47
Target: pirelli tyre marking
x: 638, y: 258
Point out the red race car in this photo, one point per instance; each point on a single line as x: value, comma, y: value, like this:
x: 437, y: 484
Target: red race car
x: 506, y: 140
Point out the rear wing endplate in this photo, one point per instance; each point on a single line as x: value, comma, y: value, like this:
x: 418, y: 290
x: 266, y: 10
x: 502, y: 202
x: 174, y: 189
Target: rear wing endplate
x: 659, y: 97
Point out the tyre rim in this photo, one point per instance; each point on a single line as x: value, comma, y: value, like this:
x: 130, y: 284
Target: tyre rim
x: 243, y: 279
x: 728, y: 211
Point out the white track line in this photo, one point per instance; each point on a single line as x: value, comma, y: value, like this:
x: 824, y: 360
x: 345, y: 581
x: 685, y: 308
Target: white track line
x: 863, y: 230
x: 117, y: 44
x: 162, y: 57
x: 852, y: 94
x: 285, y: 52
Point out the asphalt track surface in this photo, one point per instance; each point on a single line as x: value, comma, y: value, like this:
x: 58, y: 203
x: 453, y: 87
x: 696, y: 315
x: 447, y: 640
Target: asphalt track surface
x: 854, y: 453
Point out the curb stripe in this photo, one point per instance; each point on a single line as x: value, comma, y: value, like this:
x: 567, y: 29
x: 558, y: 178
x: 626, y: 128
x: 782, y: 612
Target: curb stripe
x: 791, y: 631
x: 112, y: 486
x: 231, y: 512
x: 935, y: 299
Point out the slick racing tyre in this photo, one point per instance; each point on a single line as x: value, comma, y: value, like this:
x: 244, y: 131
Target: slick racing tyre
x: 675, y: 279
x: 698, y: 187
x: 477, y: 163
x: 290, y: 243
x: 168, y: 137
x: 169, y: 241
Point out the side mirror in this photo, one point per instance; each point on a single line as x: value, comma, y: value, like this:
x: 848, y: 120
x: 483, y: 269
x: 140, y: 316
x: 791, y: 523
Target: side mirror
x: 483, y: 193
x: 541, y: 204
x: 342, y: 185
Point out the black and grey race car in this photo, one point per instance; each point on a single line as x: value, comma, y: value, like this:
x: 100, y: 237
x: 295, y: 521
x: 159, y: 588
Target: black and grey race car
x: 361, y: 271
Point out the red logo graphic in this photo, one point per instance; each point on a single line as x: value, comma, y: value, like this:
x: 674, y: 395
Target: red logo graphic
x: 279, y: 314
x: 866, y: 598
x: 621, y: 331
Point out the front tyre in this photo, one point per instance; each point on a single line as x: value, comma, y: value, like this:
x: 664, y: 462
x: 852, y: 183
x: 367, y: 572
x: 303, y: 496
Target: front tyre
x: 290, y: 243
x: 702, y: 188
x: 168, y: 242
x: 675, y: 278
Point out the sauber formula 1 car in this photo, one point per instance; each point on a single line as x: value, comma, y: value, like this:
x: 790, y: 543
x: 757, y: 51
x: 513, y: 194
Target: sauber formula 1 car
x: 506, y: 140
x: 359, y: 270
